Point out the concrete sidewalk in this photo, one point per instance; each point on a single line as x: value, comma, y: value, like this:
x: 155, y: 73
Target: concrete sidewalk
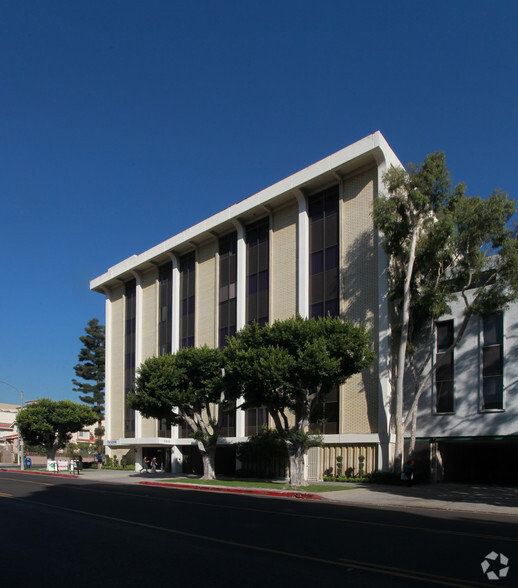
x: 475, y: 498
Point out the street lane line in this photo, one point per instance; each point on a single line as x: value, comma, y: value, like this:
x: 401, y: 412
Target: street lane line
x: 27, y: 481
x: 415, y: 574
x: 374, y: 568
x: 317, y: 517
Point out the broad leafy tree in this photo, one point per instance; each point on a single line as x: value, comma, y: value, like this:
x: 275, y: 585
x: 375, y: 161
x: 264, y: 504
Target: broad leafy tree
x: 50, y: 424
x: 186, y: 387
x: 91, y: 370
x: 442, y: 245
x: 289, y: 367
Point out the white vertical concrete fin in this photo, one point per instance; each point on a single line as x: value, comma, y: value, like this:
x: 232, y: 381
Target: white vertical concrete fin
x: 138, y: 342
x: 108, y: 393
x: 175, y: 319
x: 385, y: 158
x: 302, y: 256
x: 241, y: 276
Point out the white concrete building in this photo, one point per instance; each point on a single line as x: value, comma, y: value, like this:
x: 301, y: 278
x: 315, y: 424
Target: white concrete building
x: 304, y: 245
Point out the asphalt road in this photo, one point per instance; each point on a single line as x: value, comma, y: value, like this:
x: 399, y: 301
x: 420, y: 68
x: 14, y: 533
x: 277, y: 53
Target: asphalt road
x: 74, y: 532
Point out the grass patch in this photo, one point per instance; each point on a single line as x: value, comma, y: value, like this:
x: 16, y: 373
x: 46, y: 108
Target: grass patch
x: 269, y: 485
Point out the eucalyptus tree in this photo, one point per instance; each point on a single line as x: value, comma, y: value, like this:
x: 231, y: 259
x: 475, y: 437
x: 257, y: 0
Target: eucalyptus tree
x: 442, y: 246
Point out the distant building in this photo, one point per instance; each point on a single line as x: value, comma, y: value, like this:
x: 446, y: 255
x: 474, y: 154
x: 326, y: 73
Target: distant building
x: 304, y: 245
x: 9, y: 437
x: 8, y: 432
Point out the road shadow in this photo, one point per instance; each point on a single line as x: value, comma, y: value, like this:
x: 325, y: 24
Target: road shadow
x: 448, y: 492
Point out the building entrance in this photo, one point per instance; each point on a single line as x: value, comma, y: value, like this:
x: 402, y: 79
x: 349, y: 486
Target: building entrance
x: 162, y: 454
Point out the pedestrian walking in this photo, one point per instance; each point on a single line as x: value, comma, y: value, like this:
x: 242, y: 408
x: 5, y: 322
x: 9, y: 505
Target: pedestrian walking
x: 408, y: 472
x: 145, y: 465
x: 153, y: 465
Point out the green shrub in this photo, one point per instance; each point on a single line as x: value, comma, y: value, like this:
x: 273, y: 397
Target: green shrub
x: 372, y: 478
x: 339, y: 465
x: 361, y: 471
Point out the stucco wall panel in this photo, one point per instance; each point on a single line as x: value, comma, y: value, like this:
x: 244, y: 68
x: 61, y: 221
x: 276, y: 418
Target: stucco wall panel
x: 149, y: 314
x: 206, y: 310
x: 359, y: 287
x: 116, y: 393
x: 283, y: 257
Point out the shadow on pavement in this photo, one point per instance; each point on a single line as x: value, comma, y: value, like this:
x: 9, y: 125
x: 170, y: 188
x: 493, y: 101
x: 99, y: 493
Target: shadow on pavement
x: 468, y: 493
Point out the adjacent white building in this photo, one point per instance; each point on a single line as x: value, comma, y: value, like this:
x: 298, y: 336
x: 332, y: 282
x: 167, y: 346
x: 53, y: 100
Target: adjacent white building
x: 467, y: 426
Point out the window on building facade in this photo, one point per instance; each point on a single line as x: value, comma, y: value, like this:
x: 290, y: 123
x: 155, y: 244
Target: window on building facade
x: 227, y: 287
x: 228, y: 423
x: 165, y: 326
x: 164, y: 429
x: 257, y: 272
x: 444, y: 375
x: 493, y: 363
x: 324, y: 253
x: 187, y: 300
x: 165, y: 308
x: 255, y: 418
x: 184, y: 431
x: 324, y: 416
x: 130, y: 340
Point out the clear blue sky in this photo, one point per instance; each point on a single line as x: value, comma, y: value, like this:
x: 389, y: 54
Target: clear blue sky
x: 125, y: 122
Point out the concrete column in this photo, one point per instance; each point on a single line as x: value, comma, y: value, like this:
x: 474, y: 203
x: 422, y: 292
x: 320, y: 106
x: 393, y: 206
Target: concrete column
x: 108, y: 401
x: 241, y: 276
x: 138, y: 343
x: 176, y: 460
x: 303, y: 256
x: 240, y: 310
x: 387, y: 441
x: 175, y: 339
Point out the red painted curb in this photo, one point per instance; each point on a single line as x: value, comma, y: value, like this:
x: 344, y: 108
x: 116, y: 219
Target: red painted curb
x: 54, y: 475
x: 282, y: 493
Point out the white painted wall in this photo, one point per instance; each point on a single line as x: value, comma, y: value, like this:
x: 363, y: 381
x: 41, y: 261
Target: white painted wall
x: 468, y: 419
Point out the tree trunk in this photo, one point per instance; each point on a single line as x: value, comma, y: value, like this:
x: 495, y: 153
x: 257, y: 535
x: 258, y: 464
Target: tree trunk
x: 51, y: 452
x: 296, y: 454
x: 208, y: 456
x: 403, y: 341
x: 413, y: 429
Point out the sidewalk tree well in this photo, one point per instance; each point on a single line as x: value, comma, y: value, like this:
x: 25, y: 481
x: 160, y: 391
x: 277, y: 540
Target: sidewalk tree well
x: 50, y: 424
x: 289, y: 367
x: 442, y: 246
x: 91, y: 371
x: 186, y: 387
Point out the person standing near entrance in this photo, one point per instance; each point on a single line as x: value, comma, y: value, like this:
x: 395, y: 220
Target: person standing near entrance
x: 153, y: 465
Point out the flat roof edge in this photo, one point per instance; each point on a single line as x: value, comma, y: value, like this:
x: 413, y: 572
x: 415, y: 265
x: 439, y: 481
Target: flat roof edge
x: 374, y: 143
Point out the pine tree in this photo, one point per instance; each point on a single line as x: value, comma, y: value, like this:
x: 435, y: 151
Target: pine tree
x: 91, y: 369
